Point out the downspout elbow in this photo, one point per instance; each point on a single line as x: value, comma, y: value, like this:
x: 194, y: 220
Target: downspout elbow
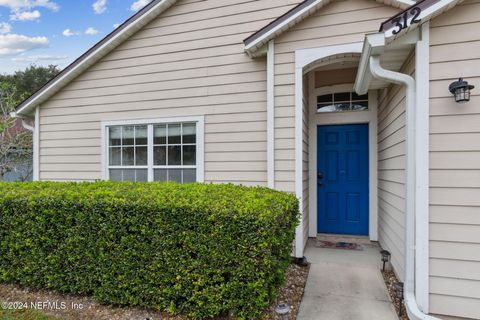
x: 390, y: 76
x: 378, y: 72
x: 27, y: 126
x: 15, y: 115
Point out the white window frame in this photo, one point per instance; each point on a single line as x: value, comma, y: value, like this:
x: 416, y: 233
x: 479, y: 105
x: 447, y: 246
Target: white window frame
x: 200, y: 131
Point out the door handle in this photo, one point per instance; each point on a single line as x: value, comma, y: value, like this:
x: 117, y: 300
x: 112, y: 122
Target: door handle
x: 320, y: 179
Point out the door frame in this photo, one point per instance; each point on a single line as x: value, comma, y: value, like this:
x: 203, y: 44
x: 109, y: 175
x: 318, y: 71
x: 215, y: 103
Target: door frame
x: 355, y: 117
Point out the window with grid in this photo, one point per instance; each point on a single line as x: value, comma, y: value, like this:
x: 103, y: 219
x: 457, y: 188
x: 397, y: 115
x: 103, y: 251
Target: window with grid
x: 153, y: 152
x: 345, y: 101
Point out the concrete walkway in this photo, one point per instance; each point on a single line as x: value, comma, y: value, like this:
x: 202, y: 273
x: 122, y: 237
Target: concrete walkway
x: 345, y: 285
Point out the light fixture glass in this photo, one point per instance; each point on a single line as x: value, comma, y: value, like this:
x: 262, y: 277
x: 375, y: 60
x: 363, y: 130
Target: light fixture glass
x: 461, y: 90
x: 385, y: 257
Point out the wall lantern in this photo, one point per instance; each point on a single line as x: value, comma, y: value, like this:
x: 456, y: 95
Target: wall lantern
x: 283, y: 310
x: 385, y: 258
x: 461, y: 90
x: 398, y: 286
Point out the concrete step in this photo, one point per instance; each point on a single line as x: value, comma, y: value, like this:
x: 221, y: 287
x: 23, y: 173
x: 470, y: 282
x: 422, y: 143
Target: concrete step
x: 344, y: 238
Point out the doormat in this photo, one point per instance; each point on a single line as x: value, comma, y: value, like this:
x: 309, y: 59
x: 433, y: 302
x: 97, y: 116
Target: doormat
x: 338, y: 245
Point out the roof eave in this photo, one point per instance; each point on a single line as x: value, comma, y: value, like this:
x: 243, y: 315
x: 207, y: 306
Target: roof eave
x: 259, y: 39
x: 83, y: 63
x: 426, y: 14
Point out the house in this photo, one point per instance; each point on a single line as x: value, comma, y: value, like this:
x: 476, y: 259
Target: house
x: 16, y: 161
x: 345, y: 103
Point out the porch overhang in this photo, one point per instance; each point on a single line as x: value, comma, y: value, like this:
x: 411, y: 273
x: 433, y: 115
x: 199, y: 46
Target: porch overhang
x: 392, y: 57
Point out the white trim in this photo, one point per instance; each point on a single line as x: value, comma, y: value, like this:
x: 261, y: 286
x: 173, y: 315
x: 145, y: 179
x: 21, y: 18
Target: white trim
x: 283, y: 26
x: 373, y: 169
x: 425, y: 16
x: 299, y: 241
x: 315, y: 119
x: 96, y: 55
x: 200, y: 127
x: 422, y: 132
x: 36, y: 146
x: 304, y: 57
x: 104, y: 158
x: 150, y: 150
x: 271, y: 114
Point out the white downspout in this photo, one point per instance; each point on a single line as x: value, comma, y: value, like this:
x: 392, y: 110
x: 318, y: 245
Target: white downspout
x: 378, y: 72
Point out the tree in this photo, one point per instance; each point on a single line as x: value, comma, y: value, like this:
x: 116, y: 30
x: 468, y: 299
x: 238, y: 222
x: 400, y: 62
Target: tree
x: 15, y: 141
x: 28, y: 81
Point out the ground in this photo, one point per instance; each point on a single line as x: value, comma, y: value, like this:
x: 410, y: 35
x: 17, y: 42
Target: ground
x: 24, y: 315
x: 390, y: 279
x: 82, y: 308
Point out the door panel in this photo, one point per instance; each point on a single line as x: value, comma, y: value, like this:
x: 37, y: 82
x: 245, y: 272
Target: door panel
x: 342, y: 171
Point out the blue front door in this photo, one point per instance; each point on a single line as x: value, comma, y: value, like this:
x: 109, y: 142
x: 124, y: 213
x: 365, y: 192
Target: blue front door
x: 342, y: 179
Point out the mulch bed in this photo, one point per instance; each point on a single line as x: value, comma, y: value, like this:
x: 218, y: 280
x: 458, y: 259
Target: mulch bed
x: 87, y: 309
x: 390, y: 279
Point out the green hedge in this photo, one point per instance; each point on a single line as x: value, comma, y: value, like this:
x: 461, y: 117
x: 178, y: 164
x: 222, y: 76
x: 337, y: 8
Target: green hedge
x: 198, y: 250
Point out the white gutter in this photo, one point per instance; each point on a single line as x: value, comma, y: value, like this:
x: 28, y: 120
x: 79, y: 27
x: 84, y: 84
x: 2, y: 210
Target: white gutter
x: 378, y: 72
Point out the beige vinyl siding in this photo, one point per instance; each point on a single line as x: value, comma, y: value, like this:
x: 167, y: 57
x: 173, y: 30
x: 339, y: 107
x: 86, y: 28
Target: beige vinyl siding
x: 338, y: 23
x: 305, y: 163
x: 455, y: 165
x: 391, y: 170
x: 189, y: 61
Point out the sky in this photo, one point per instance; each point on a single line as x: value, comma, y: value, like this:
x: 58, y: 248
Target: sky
x: 45, y: 32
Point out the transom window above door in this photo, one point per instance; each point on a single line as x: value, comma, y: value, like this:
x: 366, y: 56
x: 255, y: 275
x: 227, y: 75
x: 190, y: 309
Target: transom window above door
x: 341, y: 102
x: 165, y: 151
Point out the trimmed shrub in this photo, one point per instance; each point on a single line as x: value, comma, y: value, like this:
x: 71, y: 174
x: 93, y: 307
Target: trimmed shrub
x: 198, y: 250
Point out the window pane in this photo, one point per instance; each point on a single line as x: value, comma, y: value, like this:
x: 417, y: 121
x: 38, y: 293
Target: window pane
x: 141, y: 175
x: 141, y: 135
x: 326, y: 108
x: 363, y: 105
x: 128, y: 135
x: 160, y: 175
x: 355, y: 96
x: 115, y: 135
x: 189, y: 133
x: 174, y: 156
x: 128, y: 156
x: 129, y: 175
x: 189, y: 155
x: 160, y: 156
x: 115, y: 156
x: 342, y: 97
x: 346, y: 101
x: 174, y: 133
x: 189, y: 175
x: 116, y: 174
x: 175, y: 175
x: 328, y: 98
x: 160, y: 134
x: 342, y: 106
x: 141, y: 158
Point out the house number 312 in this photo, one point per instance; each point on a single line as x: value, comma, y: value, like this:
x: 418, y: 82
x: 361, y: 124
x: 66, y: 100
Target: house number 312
x: 402, y: 22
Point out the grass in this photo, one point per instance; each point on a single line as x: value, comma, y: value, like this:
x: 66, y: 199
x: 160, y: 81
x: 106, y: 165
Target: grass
x: 24, y: 315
